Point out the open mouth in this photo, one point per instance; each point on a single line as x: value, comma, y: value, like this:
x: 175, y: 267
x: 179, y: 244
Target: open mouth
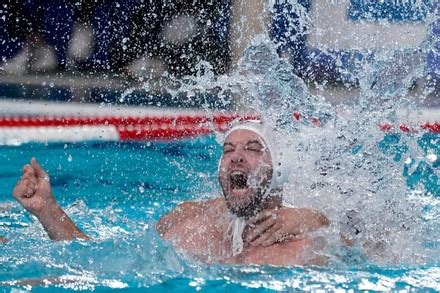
x: 238, y: 181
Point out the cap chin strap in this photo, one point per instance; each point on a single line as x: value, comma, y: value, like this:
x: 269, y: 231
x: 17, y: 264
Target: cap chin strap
x: 235, y: 232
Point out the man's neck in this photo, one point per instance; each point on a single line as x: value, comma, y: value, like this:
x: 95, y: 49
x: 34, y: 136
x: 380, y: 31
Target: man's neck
x: 273, y: 201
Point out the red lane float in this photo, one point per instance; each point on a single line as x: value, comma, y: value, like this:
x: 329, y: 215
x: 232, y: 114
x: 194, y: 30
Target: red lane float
x: 23, y: 128
x: 52, y: 128
x: 431, y: 127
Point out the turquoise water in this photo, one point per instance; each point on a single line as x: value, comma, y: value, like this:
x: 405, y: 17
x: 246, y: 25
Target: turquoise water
x: 117, y: 191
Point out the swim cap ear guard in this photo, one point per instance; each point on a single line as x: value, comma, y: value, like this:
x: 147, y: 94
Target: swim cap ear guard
x: 273, y: 144
x: 279, y: 175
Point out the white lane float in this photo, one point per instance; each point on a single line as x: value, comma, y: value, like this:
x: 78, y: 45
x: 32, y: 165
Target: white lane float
x: 22, y: 122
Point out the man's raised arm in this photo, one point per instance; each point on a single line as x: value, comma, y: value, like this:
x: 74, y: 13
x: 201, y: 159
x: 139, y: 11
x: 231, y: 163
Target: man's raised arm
x: 34, y: 193
x: 283, y: 224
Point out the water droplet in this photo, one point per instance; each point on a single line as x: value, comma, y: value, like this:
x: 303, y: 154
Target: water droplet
x: 431, y: 157
x: 69, y: 158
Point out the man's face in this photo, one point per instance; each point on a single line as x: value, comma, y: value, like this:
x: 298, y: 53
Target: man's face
x: 245, y: 172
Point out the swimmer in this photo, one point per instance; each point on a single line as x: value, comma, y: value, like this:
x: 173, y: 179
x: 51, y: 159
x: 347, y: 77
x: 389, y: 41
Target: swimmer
x: 248, y: 224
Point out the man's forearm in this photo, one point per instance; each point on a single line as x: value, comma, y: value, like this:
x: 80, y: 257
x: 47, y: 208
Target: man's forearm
x: 59, y: 226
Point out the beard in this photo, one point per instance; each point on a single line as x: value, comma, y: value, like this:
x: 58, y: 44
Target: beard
x: 250, y: 209
x: 258, y: 182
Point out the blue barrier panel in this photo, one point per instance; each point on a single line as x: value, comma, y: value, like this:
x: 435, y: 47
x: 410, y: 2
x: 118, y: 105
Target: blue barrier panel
x: 344, y: 31
x: 393, y: 11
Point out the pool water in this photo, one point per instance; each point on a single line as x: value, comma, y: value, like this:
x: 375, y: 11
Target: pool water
x: 116, y: 192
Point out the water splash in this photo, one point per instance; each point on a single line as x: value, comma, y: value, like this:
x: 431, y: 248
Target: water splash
x: 342, y: 166
x: 342, y: 161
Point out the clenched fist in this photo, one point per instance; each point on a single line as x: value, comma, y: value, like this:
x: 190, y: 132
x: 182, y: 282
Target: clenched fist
x: 33, y: 190
x: 34, y: 193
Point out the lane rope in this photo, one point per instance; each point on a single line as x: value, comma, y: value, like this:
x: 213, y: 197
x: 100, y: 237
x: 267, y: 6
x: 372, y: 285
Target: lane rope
x: 23, y: 128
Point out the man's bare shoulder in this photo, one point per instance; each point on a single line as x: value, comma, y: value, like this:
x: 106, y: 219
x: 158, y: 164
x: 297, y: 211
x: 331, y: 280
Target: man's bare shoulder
x: 200, y: 205
x: 189, y: 210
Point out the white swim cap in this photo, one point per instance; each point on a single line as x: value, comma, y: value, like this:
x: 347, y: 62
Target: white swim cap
x: 279, y: 173
x: 268, y: 134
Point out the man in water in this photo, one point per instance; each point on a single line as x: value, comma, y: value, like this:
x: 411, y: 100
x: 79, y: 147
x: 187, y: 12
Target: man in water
x: 248, y: 224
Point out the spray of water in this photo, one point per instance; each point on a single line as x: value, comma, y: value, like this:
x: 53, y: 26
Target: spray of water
x: 340, y: 167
